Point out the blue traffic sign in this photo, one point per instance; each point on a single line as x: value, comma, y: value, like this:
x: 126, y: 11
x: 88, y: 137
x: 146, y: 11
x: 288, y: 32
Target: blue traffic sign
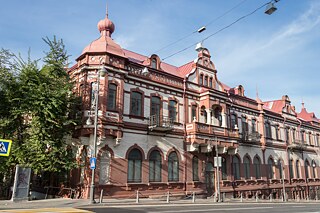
x: 93, y: 163
x: 5, y: 146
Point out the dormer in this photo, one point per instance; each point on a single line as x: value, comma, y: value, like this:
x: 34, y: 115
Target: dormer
x: 153, y: 62
x: 239, y: 90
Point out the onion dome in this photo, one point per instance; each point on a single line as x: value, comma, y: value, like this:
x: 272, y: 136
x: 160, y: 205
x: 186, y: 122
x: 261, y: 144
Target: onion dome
x: 106, y: 26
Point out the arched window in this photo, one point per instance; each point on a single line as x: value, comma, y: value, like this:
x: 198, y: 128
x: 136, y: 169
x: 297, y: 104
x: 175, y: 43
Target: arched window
x: 154, y: 63
x: 105, y: 159
x: 298, y: 169
x: 206, y: 80
x: 155, y: 166
x: 291, y: 169
x: 307, y: 169
x: 224, y: 168
x: 136, y: 104
x: 204, y: 114
x: 314, y: 169
x: 156, y: 108
x: 246, y: 165
x: 134, y: 166
x: 236, y: 167
x: 257, y: 167
x: 201, y: 79
x: 270, y: 168
x: 281, y: 169
x: 173, y: 111
x: 173, y: 167
x: 217, y: 115
x: 210, y: 82
x: 193, y: 112
x: 112, y: 97
x: 195, y: 168
x: 233, y: 121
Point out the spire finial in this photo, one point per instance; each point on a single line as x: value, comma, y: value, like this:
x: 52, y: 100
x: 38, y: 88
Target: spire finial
x: 257, y: 92
x: 302, y: 103
x: 107, y: 10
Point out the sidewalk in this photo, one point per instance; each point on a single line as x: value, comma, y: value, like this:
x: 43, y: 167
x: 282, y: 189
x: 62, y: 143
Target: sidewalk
x: 78, y: 203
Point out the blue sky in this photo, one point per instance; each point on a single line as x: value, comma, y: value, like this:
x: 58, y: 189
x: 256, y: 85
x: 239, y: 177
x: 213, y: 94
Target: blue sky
x: 278, y: 54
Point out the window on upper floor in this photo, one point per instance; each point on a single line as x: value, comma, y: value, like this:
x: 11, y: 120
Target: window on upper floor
x: 287, y: 134
x: 203, y: 114
x: 293, y: 135
x: 218, y: 116
x: 206, y: 81
x: 173, y: 110
x: 136, y: 104
x: 302, y: 136
x: 112, y: 97
x: 276, y: 129
x: 193, y: 112
x: 253, y: 125
x: 310, y: 139
x: 233, y: 121
x: 154, y: 63
x: 314, y: 169
x: 307, y: 169
x: 210, y: 82
x: 244, y: 125
x: 156, y: 107
x: 317, y: 140
x: 268, y: 130
x: 201, y: 79
x: 224, y: 169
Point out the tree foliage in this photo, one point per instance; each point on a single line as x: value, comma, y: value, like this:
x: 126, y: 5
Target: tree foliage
x: 37, y: 110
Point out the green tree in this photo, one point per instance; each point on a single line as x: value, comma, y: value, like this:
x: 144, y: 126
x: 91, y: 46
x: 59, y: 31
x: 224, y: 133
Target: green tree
x: 37, y: 110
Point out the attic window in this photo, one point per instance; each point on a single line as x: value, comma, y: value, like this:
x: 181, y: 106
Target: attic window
x: 154, y: 63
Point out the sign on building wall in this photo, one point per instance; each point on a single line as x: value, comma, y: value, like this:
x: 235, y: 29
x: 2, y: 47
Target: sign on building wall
x: 5, y: 146
x: 21, y: 184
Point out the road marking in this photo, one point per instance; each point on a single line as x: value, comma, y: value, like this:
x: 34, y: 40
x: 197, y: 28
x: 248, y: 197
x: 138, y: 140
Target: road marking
x: 298, y: 206
x: 45, y: 210
x: 206, y: 210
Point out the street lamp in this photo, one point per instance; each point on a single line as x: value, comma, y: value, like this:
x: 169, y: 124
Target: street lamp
x: 102, y: 72
x: 217, y: 164
x: 281, y: 169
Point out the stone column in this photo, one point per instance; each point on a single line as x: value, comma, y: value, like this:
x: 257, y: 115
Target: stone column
x: 208, y: 116
x: 224, y: 120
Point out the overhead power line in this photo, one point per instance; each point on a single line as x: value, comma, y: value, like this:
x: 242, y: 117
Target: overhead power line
x: 218, y: 31
x: 201, y: 29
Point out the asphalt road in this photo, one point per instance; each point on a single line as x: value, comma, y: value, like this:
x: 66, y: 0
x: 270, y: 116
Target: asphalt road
x: 236, y: 208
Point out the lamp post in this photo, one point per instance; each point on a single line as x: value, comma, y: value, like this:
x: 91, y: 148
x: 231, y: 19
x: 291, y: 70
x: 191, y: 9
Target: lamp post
x: 102, y: 72
x: 281, y: 169
x: 217, y: 162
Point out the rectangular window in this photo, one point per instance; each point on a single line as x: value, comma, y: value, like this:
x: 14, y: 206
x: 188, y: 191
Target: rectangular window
x: 112, y: 97
x: 173, y: 110
x: 136, y: 104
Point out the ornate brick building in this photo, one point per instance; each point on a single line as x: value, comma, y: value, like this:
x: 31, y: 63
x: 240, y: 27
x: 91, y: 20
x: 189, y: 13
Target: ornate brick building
x: 160, y: 126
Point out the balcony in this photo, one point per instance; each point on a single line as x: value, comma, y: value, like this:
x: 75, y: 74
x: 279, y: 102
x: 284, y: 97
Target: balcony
x: 251, y: 137
x: 197, y: 128
x: 297, y: 145
x: 160, y: 123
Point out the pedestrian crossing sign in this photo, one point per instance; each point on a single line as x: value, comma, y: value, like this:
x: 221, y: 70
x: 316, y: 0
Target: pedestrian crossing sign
x: 5, y: 146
